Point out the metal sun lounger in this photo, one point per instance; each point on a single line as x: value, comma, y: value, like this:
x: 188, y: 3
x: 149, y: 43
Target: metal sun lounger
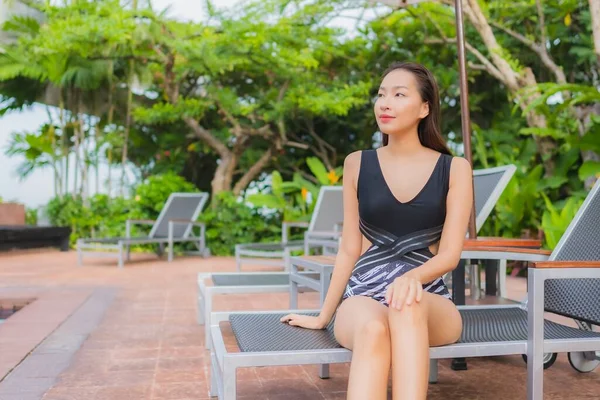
x: 174, y: 224
x: 561, y: 285
x: 489, y: 185
x: 322, y: 232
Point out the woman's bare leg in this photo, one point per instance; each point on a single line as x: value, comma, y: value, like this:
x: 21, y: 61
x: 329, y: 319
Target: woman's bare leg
x: 434, y: 321
x: 361, y: 325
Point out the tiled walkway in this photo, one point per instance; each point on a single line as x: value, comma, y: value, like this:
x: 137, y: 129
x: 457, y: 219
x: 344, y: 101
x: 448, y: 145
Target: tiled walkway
x: 147, y: 344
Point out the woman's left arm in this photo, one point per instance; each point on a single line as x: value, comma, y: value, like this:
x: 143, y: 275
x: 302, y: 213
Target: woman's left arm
x: 458, y: 210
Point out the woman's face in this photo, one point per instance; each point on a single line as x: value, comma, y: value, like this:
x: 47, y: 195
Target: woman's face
x: 399, y: 106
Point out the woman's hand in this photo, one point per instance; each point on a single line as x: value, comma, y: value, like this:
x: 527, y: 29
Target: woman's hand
x: 406, y: 289
x: 304, y: 321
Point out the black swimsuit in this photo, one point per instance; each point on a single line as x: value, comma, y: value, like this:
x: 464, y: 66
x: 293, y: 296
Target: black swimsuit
x: 400, y: 233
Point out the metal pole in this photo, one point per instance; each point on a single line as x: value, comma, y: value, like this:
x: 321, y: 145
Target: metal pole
x: 458, y: 275
x: 464, y: 102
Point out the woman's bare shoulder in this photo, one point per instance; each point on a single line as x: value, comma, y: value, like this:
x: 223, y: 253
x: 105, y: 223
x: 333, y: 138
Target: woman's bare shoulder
x: 460, y: 169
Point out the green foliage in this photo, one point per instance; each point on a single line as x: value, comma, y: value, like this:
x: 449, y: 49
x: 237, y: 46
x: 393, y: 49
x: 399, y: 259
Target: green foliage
x: 230, y: 222
x: 31, y: 216
x: 37, y: 149
x: 274, y: 75
x: 102, y: 217
x: 518, y: 208
x: 291, y: 199
x: 555, y: 221
x: 151, y: 195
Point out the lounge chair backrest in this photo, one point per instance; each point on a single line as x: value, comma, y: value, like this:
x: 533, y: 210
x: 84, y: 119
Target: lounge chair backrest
x: 185, y: 206
x: 578, y: 298
x: 328, y: 211
x: 488, y: 185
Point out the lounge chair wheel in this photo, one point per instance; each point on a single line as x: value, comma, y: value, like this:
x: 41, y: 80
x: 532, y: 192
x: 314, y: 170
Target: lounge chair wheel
x: 549, y: 359
x: 206, y: 253
x: 584, y: 361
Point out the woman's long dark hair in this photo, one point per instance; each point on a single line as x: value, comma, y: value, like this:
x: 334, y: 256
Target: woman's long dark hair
x: 429, y: 129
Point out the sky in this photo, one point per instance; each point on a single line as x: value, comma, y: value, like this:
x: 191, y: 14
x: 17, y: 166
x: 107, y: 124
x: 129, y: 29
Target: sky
x: 38, y: 188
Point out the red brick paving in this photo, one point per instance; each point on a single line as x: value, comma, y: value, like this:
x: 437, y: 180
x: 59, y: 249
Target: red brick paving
x: 149, y: 346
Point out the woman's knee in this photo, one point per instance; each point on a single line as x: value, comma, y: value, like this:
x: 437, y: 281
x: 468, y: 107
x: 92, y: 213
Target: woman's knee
x: 373, y: 335
x: 408, y: 315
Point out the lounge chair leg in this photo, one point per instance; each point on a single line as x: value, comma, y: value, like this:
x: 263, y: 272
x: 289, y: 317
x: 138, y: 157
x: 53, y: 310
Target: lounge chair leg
x: 433, y: 371
x: 238, y: 261
x: 79, y: 253
x: 502, y: 278
x: 128, y: 252
x: 213, y: 390
x: 535, y: 335
x: 229, y: 381
x: 201, y: 296
x: 170, y: 239
x: 208, y: 295
x: 475, y: 282
x: 287, y: 259
x: 324, y: 371
x: 293, y: 288
x: 121, y: 255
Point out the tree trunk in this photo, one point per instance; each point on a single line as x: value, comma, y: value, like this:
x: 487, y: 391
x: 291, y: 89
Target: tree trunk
x: 514, y: 81
x: 127, y: 128
x: 223, y: 174
x: 109, y: 122
x: 76, y: 149
x: 83, y: 191
x: 64, y: 146
x: 595, y: 13
x: 584, y: 115
x: 228, y: 159
x: 130, y: 76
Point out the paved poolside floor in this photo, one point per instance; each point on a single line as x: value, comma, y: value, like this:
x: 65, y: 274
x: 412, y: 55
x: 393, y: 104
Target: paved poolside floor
x: 97, y: 332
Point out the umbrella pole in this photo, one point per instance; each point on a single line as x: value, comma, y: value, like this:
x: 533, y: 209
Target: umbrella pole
x: 464, y: 101
x: 458, y: 275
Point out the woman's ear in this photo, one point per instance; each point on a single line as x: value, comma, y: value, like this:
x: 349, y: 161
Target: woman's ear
x: 424, y: 110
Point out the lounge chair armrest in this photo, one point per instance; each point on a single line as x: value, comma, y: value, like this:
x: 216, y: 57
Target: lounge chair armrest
x: 285, y: 228
x: 567, y: 264
x: 130, y: 222
x: 508, y: 249
x: 186, y: 221
x: 502, y: 242
x: 141, y: 221
x: 295, y: 224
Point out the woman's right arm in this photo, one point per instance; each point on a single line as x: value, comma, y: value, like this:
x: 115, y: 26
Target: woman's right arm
x: 348, y: 253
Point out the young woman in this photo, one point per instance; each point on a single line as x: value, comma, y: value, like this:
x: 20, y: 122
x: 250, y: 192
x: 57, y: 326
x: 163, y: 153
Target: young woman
x: 406, y: 211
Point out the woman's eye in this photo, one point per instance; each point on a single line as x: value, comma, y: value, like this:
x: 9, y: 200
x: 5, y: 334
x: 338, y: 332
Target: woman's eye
x: 399, y: 94
x: 379, y: 94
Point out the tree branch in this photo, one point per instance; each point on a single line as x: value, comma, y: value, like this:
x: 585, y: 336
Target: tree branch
x: 237, y: 128
x: 297, y: 145
x: 264, y: 131
x: 489, y: 66
x: 542, y: 22
x: 205, y: 135
x: 253, y: 171
x: 323, y: 145
x: 539, y: 49
x: 510, y: 76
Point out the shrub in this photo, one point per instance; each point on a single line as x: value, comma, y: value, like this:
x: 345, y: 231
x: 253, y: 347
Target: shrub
x: 229, y: 222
